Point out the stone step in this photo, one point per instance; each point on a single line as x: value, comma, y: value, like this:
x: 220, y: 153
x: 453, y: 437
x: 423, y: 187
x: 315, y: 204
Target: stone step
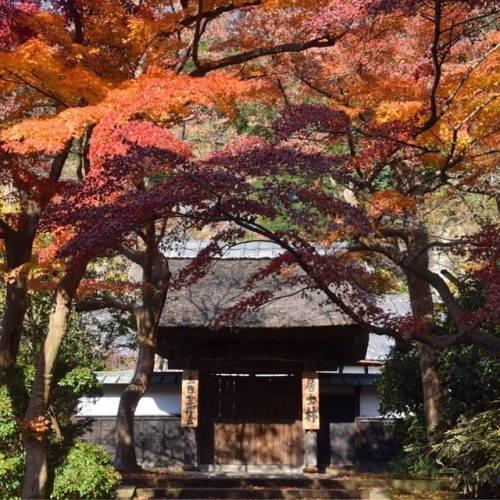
x: 248, y: 481
x: 249, y: 486
x: 285, y: 481
x: 257, y: 494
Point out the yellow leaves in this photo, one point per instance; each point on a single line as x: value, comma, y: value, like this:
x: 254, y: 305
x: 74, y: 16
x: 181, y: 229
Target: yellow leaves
x: 138, y: 29
x: 50, y: 26
x: 389, y: 111
x: 39, y: 275
x: 145, y: 30
x: 380, y: 281
x: 47, y: 71
x: 390, y: 203
x: 464, y: 141
x: 106, y: 22
x: 343, y: 233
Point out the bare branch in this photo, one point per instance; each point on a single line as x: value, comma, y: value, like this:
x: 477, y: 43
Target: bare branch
x: 105, y: 303
x: 242, y: 57
x: 132, y: 255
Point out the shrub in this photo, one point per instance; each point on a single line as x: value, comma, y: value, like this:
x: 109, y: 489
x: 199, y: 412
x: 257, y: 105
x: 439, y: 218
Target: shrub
x: 418, y: 458
x: 472, y: 450
x: 85, y: 473
x: 11, y: 449
x: 11, y: 476
x: 469, y: 381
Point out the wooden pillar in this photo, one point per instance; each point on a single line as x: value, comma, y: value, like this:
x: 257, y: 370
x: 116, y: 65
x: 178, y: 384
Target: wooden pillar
x: 310, y: 451
x: 310, y: 420
x: 190, y: 450
x: 189, y: 418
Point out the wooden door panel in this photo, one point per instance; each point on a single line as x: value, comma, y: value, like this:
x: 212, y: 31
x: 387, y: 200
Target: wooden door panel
x: 258, y: 444
x: 254, y: 420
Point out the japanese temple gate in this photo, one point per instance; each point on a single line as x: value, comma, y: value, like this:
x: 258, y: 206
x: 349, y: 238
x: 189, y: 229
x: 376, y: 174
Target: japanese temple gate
x: 251, y: 394
x: 285, y: 387
x: 254, y: 398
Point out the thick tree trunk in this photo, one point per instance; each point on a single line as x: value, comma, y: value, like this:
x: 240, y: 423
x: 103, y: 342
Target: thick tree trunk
x: 156, y: 276
x: 35, y: 480
x: 18, y: 247
x: 125, y: 456
x: 427, y: 357
x: 423, y: 308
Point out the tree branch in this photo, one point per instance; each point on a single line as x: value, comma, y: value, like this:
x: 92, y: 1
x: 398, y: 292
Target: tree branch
x: 38, y: 89
x: 59, y: 161
x: 133, y: 255
x: 203, y: 69
x: 105, y: 303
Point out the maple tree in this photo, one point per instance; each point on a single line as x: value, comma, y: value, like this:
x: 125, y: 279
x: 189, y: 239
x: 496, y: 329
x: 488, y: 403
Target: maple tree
x: 440, y: 157
x: 87, y: 73
x: 435, y: 117
x: 28, y: 182
x: 147, y: 311
x: 29, y: 185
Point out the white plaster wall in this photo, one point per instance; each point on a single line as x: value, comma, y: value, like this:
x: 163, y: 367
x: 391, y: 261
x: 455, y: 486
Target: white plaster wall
x: 353, y: 369
x: 368, y: 402
x: 159, y: 400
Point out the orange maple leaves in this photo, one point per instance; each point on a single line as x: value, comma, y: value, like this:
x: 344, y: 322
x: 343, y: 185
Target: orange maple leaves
x: 36, y: 427
x: 159, y: 97
x: 390, y: 203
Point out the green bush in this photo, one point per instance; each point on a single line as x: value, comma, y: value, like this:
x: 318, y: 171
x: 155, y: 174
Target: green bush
x: 418, y: 458
x: 85, y: 473
x: 11, y: 476
x: 469, y: 381
x: 11, y: 449
x: 472, y: 450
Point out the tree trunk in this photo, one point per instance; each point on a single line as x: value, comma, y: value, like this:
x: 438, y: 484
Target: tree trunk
x: 156, y: 276
x: 18, y: 248
x: 35, y: 480
x: 423, y: 308
x: 125, y: 456
x: 427, y: 357
x: 12, y: 322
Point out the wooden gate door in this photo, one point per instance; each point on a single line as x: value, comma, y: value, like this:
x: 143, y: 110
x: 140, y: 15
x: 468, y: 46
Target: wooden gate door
x: 255, y: 420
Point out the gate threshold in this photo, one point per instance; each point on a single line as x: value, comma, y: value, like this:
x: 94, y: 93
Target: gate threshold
x: 253, y: 469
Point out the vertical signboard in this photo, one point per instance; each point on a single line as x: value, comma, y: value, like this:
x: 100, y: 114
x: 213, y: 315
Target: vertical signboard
x: 310, y: 401
x: 189, y: 409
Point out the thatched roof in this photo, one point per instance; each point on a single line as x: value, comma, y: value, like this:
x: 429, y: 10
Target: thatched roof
x: 291, y: 329
x: 201, y: 304
x: 288, y: 329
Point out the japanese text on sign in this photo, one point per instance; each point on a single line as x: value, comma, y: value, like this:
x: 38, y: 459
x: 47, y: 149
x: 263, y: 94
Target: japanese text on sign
x: 310, y: 400
x: 189, y: 410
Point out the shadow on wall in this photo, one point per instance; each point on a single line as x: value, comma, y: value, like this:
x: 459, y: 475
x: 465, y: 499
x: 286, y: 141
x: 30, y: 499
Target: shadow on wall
x: 159, y: 441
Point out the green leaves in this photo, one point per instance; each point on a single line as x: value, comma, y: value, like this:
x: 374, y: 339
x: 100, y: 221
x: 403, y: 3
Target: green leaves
x: 85, y: 473
x: 80, y: 380
x: 472, y: 449
x: 11, y: 475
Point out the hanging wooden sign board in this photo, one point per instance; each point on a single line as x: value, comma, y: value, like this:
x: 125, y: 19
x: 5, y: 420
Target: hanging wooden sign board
x: 189, y: 407
x: 310, y: 401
